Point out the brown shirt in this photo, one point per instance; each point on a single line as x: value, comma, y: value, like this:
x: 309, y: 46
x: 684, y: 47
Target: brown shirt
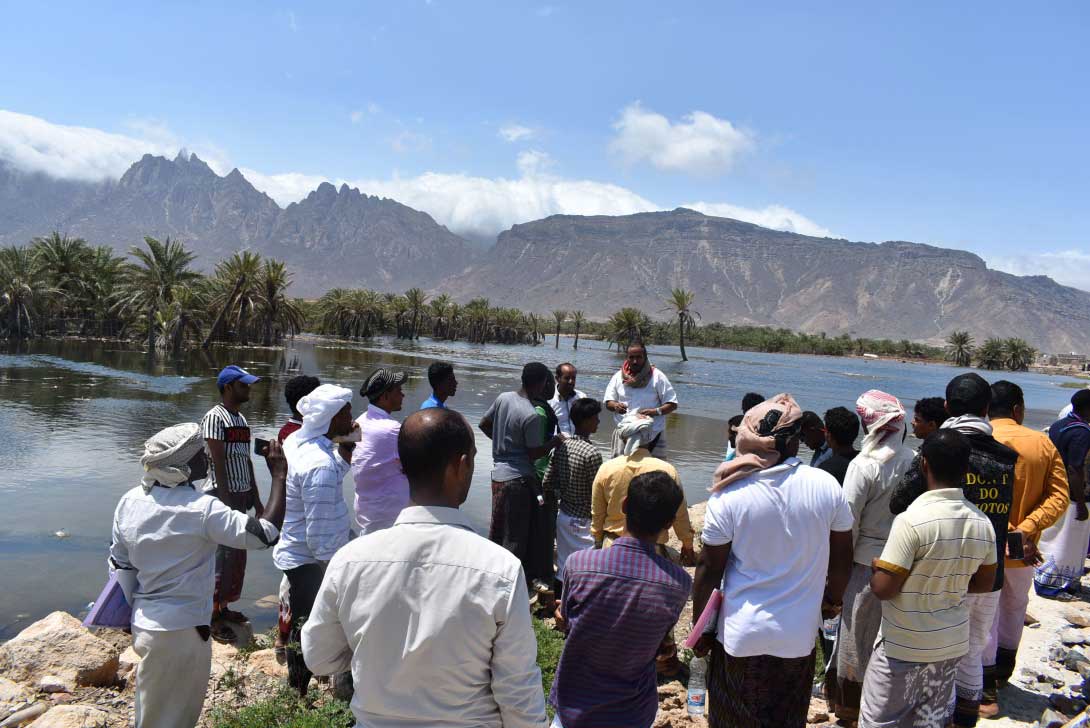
x: 1040, y: 480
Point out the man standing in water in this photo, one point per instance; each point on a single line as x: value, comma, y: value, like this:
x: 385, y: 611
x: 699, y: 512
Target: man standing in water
x: 231, y: 479
x: 443, y: 385
x: 381, y: 487
x: 640, y: 387
x: 565, y: 397
x: 517, y: 500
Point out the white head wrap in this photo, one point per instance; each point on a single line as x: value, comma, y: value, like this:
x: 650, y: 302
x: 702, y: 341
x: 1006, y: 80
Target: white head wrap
x: 166, y: 454
x: 319, y: 407
x: 635, y: 431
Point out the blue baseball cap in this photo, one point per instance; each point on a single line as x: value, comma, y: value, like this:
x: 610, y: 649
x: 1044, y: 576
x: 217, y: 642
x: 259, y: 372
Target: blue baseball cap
x: 233, y: 373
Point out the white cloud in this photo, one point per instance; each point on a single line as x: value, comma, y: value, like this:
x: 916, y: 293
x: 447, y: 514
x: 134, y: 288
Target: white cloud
x: 533, y: 163
x: 410, y: 141
x: 1069, y: 267
x: 467, y: 204
x: 776, y: 217
x: 356, y: 116
x: 515, y: 132
x: 699, y: 143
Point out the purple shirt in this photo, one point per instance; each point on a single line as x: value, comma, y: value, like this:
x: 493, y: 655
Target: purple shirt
x: 619, y: 602
x: 382, y: 489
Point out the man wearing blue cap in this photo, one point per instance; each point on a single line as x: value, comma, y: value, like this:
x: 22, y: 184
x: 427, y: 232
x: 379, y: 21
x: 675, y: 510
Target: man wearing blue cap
x: 231, y: 479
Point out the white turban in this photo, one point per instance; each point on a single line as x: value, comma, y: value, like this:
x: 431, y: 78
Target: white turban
x: 319, y: 407
x: 635, y: 431
x: 166, y: 454
x: 884, y: 417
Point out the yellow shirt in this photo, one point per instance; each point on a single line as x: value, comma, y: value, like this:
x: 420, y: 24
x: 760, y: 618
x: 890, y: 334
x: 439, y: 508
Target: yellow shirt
x: 611, y: 486
x: 1040, y: 480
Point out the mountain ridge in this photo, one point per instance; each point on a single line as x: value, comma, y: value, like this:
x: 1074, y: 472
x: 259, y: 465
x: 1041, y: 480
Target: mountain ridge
x: 742, y: 273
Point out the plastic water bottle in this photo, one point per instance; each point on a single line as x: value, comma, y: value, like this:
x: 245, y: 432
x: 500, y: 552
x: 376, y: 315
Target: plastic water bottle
x: 698, y: 690
x: 829, y: 628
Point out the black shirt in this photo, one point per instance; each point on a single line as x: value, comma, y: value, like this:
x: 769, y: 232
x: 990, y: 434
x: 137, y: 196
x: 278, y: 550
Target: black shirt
x: 837, y: 465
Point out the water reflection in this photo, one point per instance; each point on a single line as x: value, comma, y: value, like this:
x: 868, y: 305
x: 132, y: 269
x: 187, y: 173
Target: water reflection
x: 75, y: 415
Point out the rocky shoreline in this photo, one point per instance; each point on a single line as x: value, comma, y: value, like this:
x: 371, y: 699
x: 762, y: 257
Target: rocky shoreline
x: 58, y: 674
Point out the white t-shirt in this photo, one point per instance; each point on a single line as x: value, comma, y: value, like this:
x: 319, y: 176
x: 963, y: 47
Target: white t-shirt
x: 658, y: 392
x: 777, y: 522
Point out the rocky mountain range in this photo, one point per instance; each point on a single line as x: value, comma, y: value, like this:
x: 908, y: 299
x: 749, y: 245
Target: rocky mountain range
x: 741, y: 273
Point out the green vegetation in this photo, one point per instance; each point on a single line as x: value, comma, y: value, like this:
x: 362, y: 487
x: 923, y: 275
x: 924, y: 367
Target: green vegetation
x: 550, y: 644
x: 63, y: 286
x: 285, y: 710
x: 1076, y: 385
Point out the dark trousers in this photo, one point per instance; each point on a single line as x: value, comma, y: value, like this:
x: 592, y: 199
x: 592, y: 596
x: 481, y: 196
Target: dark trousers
x: 518, y: 524
x: 305, y: 581
x: 758, y: 692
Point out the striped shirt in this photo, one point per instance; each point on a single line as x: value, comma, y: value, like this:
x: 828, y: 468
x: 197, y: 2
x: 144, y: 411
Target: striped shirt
x: 233, y: 431
x: 619, y: 602
x: 939, y: 543
x: 571, y: 473
x: 316, y: 520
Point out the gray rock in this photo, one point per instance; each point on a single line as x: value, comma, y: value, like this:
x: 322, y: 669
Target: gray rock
x: 1073, y: 636
x: 1051, y: 719
x: 1072, y: 659
x: 1078, y: 616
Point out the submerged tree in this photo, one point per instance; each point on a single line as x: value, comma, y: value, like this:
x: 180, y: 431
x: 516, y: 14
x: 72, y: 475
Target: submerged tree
x: 577, y: 320
x: 24, y: 290
x: 560, y: 317
x: 680, y: 302
x: 959, y: 348
x: 150, y: 284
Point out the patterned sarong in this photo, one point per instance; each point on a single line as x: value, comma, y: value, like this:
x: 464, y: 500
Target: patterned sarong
x: 859, y: 623
x: 758, y: 692
x: 901, y: 694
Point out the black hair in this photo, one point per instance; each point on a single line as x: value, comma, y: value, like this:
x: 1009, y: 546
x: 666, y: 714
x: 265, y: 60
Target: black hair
x: 428, y: 441
x: 968, y: 394
x: 653, y: 500
x: 751, y: 400
x: 810, y: 419
x: 1080, y: 401
x: 947, y: 454
x: 583, y: 409
x: 560, y: 368
x: 1005, y: 397
x: 438, y: 372
x: 636, y: 342
x: 735, y: 421
x: 299, y: 387
x: 535, y: 373
x: 932, y: 409
x: 842, y: 424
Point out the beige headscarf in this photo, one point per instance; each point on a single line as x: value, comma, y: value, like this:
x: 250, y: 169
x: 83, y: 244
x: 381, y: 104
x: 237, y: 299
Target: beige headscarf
x: 167, y: 453
x: 634, y: 431
x: 757, y: 452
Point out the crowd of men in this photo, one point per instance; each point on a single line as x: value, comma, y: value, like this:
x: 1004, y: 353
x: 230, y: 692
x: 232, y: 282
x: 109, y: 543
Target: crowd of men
x: 911, y: 566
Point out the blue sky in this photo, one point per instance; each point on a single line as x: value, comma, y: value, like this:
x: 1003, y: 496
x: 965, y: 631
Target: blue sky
x: 958, y: 124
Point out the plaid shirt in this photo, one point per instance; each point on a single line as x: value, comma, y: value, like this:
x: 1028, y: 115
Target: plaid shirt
x: 571, y: 474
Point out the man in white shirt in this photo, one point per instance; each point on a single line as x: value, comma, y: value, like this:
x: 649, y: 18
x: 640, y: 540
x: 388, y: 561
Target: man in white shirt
x: 165, y: 536
x: 432, y: 619
x: 565, y: 397
x: 316, y: 523
x: 642, y: 388
x: 774, y: 529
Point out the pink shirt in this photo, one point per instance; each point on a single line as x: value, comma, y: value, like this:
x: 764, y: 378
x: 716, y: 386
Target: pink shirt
x: 382, y: 489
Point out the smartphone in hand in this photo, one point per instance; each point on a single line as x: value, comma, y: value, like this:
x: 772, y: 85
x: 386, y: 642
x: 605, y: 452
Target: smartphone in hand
x: 1016, y: 548
x: 260, y: 446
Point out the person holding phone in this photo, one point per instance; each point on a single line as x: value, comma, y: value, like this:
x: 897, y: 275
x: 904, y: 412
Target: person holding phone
x: 166, y: 533
x: 1040, y: 499
x: 231, y: 479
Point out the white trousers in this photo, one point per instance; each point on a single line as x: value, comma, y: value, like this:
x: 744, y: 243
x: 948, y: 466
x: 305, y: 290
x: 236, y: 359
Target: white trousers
x: 572, y: 534
x: 1010, y: 616
x: 970, y: 679
x: 172, y: 677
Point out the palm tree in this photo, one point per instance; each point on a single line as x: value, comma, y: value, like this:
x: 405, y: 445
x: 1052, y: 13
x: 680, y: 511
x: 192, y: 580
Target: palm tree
x: 959, y: 348
x: 1019, y: 354
x: 628, y: 325
x: 105, y: 271
x: 438, y: 308
x: 151, y: 282
x: 179, y: 320
x: 680, y: 302
x: 24, y: 290
x: 236, y: 291
x: 277, y: 313
x: 416, y: 300
x: 992, y: 355
x: 65, y: 262
x: 559, y: 317
x: 578, y: 319
x: 477, y: 313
